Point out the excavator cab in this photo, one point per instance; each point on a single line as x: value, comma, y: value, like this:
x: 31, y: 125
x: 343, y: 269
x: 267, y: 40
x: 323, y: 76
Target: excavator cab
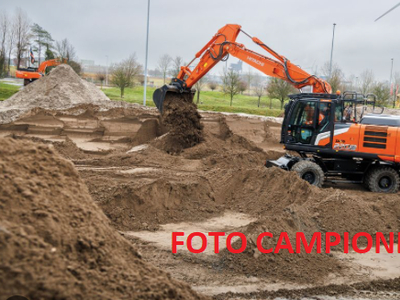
x: 307, y: 118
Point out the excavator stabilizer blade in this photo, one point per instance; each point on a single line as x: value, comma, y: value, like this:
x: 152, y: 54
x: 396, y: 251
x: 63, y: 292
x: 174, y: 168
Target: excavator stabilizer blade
x: 166, y: 91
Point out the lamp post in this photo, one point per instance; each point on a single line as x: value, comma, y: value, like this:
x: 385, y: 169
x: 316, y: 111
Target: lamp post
x: 106, y: 70
x: 147, y: 52
x: 333, y: 39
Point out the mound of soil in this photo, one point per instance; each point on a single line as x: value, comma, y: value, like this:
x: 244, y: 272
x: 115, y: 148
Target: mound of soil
x: 181, y: 118
x: 55, y: 243
x: 61, y: 88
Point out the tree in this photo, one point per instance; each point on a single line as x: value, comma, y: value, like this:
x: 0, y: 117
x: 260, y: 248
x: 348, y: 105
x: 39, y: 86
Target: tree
x: 22, y: 27
x: 259, y: 88
x: 199, y: 86
x: 65, y: 50
x: 230, y: 83
x: 213, y: 85
x: 334, y: 77
x: 249, y: 79
x: 101, y: 77
x: 42, y: 38
x: 176, y: 66
x: 123, y: 74
x: 49, y: 54
x: 242, y: 86
x: 396, y: 83
x: 367, y: 80
x: 4, y: 30
x: 10, y: 42
x: 382, y: 92
x: 163, y: 64
x: 279, y: 89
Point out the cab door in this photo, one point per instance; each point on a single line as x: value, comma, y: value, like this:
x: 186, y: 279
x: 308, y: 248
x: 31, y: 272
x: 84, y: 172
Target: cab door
x: 301, y: 126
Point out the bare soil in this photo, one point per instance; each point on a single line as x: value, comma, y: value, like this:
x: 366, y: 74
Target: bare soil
x: 56, y: 243
x: 182, y: 120
x: 153, y: 174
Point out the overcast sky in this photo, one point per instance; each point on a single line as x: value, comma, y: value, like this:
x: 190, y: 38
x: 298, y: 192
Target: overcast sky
x: 299, y: 30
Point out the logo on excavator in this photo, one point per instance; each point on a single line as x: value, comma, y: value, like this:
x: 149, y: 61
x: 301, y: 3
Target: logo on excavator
x: 341, y: 146
x: 255, y: 61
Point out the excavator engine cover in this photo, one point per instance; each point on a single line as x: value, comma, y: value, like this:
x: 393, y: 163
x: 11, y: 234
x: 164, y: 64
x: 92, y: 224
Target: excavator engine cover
x: 168, y: 90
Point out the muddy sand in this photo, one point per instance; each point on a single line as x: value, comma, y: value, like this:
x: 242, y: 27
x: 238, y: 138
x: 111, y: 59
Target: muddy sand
x: 214, y: 182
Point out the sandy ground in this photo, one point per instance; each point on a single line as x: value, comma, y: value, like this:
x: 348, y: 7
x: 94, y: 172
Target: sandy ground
x: 96, y: 141
x: 220, y: 184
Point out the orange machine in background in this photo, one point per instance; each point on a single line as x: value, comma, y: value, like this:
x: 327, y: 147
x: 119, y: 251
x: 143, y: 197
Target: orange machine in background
x: 31, y: 74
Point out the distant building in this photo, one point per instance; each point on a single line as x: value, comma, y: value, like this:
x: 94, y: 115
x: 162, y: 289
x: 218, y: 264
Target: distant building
x: 87, y: 63
x: 236, y: 67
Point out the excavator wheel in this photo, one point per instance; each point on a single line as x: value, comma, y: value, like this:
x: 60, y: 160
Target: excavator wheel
x: 383, y: 180
x: 310, y: 172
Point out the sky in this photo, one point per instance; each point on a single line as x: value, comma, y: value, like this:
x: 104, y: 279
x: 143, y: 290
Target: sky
x: 104, y: 30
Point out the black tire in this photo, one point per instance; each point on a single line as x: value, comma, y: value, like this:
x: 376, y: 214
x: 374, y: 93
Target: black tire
x: 310, y: 172
x: 383, y: 180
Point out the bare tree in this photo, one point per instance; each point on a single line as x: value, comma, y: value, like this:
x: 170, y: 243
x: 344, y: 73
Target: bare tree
x: 249, y: 79
x: 163, y: 64
x: 242, y: 86
x: 382, y: 92
x: 10, y: 42
x: 334, y: 77
x: 212, y: 85
x: 230, y: 83
x: 199, y: 87
x: 101, y: 77
x: 396, y: 83
x: 65, y: 50
x: 176, y: 66
x: 4, y: 29
x: 367, y: 80
x: 279, y: 89
x: 124, y: 73
x: 22, y: 33
x: 259, y: 87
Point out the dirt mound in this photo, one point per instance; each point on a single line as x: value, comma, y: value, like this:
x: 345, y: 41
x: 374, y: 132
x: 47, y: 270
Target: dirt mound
x: 181, y: 118
x: 61, y: 88
x: 55, y: 243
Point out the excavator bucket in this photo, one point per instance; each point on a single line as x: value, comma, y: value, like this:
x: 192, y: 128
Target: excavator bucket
x: 168, y: 91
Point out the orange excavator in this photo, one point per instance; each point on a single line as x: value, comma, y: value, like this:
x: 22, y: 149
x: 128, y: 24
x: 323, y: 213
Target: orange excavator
x: 31, y: 74
x: 330, y: 133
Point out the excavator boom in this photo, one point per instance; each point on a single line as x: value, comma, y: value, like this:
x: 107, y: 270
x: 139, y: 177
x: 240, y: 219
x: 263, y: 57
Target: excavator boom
x: 224, y: 43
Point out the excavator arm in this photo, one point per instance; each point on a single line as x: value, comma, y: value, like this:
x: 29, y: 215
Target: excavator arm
x: 32, y: 74
x: 50, y: 63
x: 224, y: 43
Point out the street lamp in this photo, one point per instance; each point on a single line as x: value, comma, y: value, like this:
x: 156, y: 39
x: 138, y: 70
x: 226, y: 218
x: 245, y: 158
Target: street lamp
x: 106, y: 70
x: 333, y: 39
x: 147, y: 52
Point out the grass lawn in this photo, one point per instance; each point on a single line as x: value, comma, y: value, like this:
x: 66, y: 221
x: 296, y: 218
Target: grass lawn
x: 7, y: 90
x: 209, y: 100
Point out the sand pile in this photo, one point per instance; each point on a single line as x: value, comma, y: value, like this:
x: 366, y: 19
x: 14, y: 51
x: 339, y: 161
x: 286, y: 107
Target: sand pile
x: 55, y: 243
x: 225, y: 172
x: 61, y: 88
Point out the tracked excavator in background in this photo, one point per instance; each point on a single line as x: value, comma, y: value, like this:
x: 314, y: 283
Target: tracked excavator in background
x: 31, y: 74
x: 328, y: 134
